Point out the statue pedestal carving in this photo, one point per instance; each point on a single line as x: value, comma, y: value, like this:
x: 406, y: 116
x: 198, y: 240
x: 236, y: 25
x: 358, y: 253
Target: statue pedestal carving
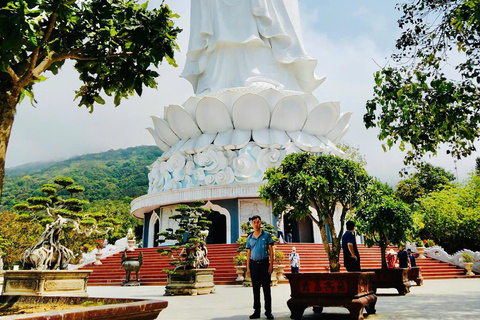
x: 46, y: 283
x: 190, y: 282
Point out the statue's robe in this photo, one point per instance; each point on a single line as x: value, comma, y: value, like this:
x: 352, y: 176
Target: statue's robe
x: 243, y: 43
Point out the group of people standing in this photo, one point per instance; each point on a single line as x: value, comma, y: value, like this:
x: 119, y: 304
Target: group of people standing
x: 402, y: 258
x: 351, y: 257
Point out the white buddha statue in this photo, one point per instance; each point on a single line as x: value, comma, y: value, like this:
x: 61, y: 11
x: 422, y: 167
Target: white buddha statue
x: 248, y: 43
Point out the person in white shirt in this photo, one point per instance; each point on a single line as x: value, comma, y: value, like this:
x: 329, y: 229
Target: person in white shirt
x: 294, y: 261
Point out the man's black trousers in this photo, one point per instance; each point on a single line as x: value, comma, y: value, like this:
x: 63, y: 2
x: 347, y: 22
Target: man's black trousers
x: 261, y: 277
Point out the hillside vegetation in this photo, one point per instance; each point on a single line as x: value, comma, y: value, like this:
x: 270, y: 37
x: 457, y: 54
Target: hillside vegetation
x: 112, y: 175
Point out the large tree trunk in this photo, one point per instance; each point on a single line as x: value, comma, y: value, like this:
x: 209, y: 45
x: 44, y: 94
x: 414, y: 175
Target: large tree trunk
x: 7, y: 115
x: 383, y: 248
x: 335, y: 252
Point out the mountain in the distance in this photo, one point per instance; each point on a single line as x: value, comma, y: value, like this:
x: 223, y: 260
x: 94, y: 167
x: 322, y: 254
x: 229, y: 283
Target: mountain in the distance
x: 114, y: 174
x: 28, y: 168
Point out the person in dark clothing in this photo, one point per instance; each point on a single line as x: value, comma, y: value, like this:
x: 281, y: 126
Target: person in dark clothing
x: 413, y: 263
x: 260, y: 266
x: 402, y: 257
x: 289, y: 233
x: 351, y: 257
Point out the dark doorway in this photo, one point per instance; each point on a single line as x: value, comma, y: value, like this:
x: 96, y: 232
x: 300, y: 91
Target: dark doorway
x: 218, y: 229
x: 156, y: 230
x: 305, y: 231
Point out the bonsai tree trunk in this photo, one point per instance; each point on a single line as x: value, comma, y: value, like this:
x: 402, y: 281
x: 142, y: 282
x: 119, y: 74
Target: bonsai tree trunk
x: 7, y: 115
x: 48, y: 253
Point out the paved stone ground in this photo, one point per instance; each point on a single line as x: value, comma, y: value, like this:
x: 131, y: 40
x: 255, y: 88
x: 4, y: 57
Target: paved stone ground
x: 436, y: 299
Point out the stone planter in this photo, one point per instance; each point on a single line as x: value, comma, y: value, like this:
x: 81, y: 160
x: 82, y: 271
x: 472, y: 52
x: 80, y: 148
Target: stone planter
x: 391, y: 278
x: 98, y: 256
x: 280, y: 271
x: 248, y: 281
x: 110, y: 309
x: 468, y: 268
x: 415, y: 274
x: 351, y: 290
x: 273, y: 277
x: 190, y: 282
x: 46, y: 283
x: 240, y: 272
x: 421, y: 251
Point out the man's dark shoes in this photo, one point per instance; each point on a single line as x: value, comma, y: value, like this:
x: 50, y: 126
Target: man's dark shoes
x: 255, y: 315
x: 269, y: 316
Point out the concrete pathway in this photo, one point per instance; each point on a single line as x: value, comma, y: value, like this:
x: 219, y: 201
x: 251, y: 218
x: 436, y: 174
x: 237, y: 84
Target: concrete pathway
x: 436, y: 299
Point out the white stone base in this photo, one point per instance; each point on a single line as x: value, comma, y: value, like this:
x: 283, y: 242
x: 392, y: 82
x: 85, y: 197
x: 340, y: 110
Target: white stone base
x: 46, y: 283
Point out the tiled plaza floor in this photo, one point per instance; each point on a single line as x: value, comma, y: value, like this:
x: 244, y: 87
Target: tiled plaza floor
x: 436, y: 299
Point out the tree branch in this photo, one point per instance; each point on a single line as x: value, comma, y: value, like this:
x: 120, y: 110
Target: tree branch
x: 12, y: 74
x: 46, y: 36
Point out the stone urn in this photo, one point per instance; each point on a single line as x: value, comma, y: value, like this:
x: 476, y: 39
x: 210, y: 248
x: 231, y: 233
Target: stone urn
x: 273, y: 277
x: 98, y: 256
x: 248, y: 281
x: 240, y: 272
x: 280, y: 269
x: 131, y: 244
x: 468, y: 268
x: 421, y: 251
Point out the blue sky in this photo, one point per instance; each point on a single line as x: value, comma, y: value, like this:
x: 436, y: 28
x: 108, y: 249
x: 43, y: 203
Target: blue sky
x: 347, y: 37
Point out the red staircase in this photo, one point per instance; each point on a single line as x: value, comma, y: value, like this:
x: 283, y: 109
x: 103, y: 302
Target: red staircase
x: 312, y: 259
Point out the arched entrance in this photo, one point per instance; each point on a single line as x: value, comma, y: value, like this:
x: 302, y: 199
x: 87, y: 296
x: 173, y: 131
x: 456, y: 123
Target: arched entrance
x: 153, y: 230
x: 218, y: 229
x: 221, y: 224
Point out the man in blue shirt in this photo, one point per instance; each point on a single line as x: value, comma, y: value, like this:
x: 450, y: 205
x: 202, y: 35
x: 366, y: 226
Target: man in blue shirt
x: 260, y: 266
x: 351, y: 257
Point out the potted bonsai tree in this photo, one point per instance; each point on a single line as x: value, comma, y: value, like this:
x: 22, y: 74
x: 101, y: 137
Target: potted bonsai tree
x: 384, y: 220
x: 239, y: 260
x: 60, y: 210
x: 317, y: 188
x: 191, y: 274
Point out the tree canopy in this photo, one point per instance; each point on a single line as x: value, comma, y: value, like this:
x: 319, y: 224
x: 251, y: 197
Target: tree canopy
x: 115, y: 43
x: 382, y: 218
x: 451, y: 217
x: 304, y: 182
x: 426, y: 179
x: 420, y: 102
